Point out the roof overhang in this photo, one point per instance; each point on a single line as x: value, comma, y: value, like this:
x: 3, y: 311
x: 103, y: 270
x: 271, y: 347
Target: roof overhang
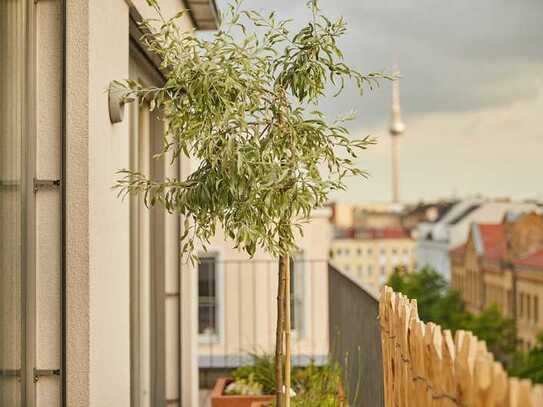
x: 204, y: 14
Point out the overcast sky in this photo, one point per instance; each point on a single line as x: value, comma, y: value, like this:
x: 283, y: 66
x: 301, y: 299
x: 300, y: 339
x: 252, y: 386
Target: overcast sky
x: 472, y: 93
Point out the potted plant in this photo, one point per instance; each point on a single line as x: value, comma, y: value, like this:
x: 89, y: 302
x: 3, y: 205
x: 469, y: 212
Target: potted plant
x: 244, y: 105
x: 255, y: 386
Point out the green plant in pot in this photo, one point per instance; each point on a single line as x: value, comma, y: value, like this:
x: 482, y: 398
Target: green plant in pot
x: 313, y: 386
x: 244, y: 106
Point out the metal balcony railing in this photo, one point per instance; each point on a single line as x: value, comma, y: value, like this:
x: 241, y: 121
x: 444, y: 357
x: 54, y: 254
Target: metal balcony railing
x: 237, y: 310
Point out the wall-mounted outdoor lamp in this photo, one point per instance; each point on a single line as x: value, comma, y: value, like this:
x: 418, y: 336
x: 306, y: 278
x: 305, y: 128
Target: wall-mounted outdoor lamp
x: 117, y: 97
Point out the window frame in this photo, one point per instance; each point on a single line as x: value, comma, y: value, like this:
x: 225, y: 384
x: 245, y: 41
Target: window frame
x: 299, y: 331
x: 218, y: 336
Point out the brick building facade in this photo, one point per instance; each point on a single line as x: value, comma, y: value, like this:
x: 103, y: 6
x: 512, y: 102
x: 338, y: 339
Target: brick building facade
x: 502, y: 264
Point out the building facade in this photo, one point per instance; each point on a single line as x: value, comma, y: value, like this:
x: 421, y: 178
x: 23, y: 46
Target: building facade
x: 237, y: 300
x: 92, y: 291
x: 502, y: 264
x: 371, y: 260
x: 435, y: 239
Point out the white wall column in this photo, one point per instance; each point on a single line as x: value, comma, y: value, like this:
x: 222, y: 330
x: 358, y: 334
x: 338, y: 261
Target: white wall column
x: 98, y: 338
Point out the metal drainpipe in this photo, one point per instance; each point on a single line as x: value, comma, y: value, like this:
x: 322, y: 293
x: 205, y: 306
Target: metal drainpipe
x: 63, y: 392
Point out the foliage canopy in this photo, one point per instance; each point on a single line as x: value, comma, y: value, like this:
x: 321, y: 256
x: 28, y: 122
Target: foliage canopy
x: 243, y: 105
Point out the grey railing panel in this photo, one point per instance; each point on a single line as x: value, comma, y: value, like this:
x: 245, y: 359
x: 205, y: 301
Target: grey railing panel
x: 355, y: 339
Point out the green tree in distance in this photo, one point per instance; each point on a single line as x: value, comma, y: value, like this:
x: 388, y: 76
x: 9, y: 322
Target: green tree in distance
x: 529, y: 365
x: 436, y: 301
x: 439, y: 303
x: 497, y: 331
x: 247, y: 111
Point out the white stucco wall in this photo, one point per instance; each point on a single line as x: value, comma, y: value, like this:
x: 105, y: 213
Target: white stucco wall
x: 77, y: 208
x: 47, y: 335
x: 109, y: 279
x: 247, y: 299
x: 98, y: 255
x: 97, y: 222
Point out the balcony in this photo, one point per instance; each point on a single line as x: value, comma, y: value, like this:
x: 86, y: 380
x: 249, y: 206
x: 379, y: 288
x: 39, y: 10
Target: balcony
x: 237, y: 316
x: 389, y: 357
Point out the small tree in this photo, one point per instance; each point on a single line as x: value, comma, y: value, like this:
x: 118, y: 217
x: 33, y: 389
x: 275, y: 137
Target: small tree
x: 245, y: 110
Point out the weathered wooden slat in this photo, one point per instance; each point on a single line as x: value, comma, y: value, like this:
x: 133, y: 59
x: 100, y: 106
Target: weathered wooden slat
x: 425, y: 367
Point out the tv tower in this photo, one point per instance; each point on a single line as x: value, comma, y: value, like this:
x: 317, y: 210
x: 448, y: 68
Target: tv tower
x: 397, y: 128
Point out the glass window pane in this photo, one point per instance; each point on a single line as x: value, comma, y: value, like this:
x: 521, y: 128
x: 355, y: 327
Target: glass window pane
x: 207, y: 298
x: 296, y: 294
x: 12, y: 41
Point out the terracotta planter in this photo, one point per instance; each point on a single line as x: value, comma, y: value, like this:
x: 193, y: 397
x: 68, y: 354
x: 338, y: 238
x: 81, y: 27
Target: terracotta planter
x: 219, y: 399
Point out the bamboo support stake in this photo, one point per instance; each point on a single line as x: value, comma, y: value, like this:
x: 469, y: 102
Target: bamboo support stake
x: 279, y: 333
x: 287, y: 330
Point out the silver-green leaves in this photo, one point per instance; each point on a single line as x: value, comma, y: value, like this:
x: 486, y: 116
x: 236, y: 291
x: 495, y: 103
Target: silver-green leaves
x: 244, y: 109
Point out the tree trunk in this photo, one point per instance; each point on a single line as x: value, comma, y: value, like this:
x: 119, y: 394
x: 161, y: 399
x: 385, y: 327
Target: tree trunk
x: 287, y: 373
x: 279, y: 333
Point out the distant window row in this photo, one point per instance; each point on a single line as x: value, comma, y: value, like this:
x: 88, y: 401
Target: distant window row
x: 360, y: 270
x: 528, y: 307
x: 369, y: 252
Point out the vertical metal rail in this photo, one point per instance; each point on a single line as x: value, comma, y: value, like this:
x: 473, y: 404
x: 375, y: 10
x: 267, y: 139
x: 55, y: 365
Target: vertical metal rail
x: 269, y: 332
x: 312, y: 307
x: 63, y: 307
x: 225, y: 313
x: 253, y: 286
x: 239, y: 313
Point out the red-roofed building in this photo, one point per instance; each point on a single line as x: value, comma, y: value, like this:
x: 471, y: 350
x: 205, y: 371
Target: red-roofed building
x: 458, y: 252
x: 386, y: 233
x: 533, y: 260
x: 502, y: 264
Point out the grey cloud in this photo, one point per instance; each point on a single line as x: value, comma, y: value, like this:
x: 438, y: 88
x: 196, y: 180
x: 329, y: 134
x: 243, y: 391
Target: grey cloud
x: 459, y: 55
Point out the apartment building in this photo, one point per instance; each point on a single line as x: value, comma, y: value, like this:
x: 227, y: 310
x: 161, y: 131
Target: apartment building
x: 237, y: 300
x: 436, y: 238
x: 502, y: 264
x: 370, y: 260
x: 94, y: 298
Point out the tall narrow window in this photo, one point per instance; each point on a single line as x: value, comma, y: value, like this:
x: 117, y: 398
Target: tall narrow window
x: 536, y: 309
x: 147, y: 265
x: 208, y: 326
x: 12, y: 201
x: 297, y: 294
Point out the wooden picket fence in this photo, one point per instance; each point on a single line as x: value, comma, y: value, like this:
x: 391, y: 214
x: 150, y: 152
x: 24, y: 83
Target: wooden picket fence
x: 425, y: 366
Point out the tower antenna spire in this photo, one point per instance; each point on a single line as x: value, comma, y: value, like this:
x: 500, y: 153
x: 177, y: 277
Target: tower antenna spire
x: 397, y: 128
